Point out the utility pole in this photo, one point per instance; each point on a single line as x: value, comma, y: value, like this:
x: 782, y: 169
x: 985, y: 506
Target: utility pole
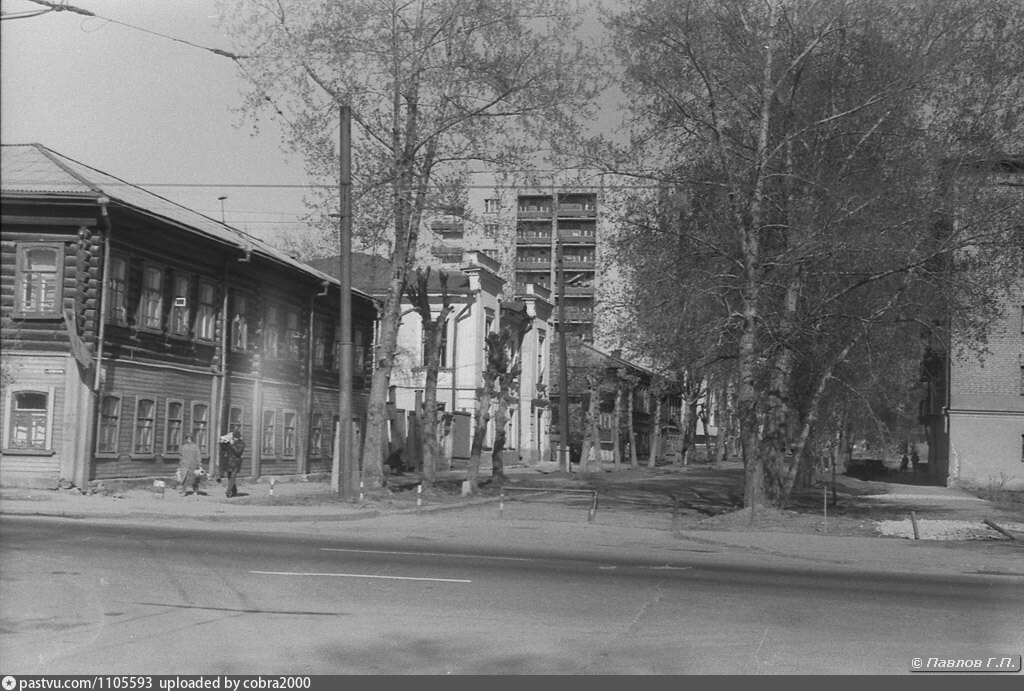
x: 565, y: 461
x: 345, y: 466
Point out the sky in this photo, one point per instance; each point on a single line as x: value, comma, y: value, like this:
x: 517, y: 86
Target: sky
x: 146, y: 109
x: 153, y: 111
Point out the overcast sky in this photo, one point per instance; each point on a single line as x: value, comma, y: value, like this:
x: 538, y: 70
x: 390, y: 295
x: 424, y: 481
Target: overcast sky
x: 150, y: 110
x: 145, y: 108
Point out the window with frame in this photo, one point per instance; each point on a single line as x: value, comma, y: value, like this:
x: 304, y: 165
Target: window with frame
x: 268, y: 440
x: 359, y: 354
x: 201, y: 425
x: 39, y: 279
x: 29, y: 420
x: 236, y: 415
x: 110, y: 421
x: 206, y: 311
x: 316, y: 435
x: 117, y: 291
x: 240, y: 322
x: 151, y: 303
x: 294, y: 334
x: 320, y: 343
x: 173, y: 424
x: 491, y: 230
x: 145, y: 423
x: 443, y: 355
x: 271, y: 334
x: 288, y: 418
x: 180, y: 304
x: 491, y: 206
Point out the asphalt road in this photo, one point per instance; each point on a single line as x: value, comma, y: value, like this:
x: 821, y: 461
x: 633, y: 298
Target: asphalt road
x: 79, y: 598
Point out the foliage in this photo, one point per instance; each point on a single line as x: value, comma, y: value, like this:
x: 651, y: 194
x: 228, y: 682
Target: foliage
x: 809, y: 159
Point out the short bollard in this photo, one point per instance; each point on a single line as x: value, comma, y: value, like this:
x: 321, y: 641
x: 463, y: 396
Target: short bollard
x: 360, y: 490
x: 592, y: 514
x: 419, y: 496
x: 158, y: 488
x: 271, y: 486
x: 501, y: 505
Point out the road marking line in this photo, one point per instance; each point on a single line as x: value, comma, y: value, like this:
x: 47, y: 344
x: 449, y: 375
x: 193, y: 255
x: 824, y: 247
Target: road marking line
x: 360, y: 575
x: 426, y: 554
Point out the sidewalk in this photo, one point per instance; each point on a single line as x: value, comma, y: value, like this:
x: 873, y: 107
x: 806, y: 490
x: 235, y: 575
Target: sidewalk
x: 559, y: 528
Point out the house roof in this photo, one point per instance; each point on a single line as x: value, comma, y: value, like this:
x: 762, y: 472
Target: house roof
x: 372, y: 273
x: 34, y: 170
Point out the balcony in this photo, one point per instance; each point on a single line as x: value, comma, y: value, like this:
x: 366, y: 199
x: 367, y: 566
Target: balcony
x: 447, y: 227
x: 578, y: 237
x: 579, y: 264
x: 585, y: 210
x: 576, y: 314
x: 533, y: 265
x: 579, y: 290
x: 533, y: 240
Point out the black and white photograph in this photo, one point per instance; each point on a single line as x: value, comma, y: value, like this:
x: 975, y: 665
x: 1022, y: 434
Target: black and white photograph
x: 498, y: 338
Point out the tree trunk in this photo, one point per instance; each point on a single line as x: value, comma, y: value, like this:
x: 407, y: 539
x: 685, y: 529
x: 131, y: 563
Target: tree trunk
x: 616, y: 428
x: 652, y: 454
x: 483, y: 418
x: 500, y: 422
x: 633, y: 462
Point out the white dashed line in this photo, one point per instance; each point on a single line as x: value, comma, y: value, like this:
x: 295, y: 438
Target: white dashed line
x: 425, y: 554
x: 360, y: 575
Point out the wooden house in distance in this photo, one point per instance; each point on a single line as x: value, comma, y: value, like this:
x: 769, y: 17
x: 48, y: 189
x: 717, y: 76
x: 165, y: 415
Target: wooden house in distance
x: 129, y: 322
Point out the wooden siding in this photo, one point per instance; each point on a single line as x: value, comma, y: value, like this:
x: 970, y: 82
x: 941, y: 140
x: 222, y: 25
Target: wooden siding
x: 130, y: 382
x: 37, y: 372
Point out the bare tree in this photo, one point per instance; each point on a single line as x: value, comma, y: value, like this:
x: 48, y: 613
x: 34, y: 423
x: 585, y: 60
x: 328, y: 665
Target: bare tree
x: 433, y: 87
x: 434, y: 337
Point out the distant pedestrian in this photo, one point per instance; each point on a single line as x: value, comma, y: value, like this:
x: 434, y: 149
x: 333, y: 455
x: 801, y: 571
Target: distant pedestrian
x: 189, y: 467
x: 232, y: 447
x: 904, y: 462
x: 914, y: 459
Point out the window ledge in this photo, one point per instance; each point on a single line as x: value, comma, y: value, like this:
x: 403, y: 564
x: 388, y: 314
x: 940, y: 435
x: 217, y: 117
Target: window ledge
x: 109, y: 455
x: 27, y: 452
x: 143, y: 456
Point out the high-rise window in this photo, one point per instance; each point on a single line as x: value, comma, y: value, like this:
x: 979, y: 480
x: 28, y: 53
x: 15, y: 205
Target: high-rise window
x: 491, y: 206
x: 38, y: 280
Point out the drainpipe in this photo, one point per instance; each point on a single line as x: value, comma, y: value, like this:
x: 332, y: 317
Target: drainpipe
x: 81, y: 471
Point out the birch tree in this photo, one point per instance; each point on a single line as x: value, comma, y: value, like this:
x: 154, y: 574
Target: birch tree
x: 809, y: 154
x: 434, y: 86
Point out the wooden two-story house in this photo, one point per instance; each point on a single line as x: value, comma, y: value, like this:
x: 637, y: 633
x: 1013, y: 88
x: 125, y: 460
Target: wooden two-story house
x: 130, y: 322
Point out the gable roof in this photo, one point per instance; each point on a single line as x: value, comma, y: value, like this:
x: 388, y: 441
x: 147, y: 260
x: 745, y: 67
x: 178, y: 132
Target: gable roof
x: 34, y: 170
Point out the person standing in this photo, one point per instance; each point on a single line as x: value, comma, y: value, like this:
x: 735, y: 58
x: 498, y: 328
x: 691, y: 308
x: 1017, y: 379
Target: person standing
x: 232, y: 458
x: 188, y: 468
x: 914, y: 459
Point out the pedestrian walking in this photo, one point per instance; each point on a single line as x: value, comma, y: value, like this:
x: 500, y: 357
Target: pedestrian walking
x: 232, y: 447
x: 914, y: 459
x: 905, y: 461
x: 189, y: 467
